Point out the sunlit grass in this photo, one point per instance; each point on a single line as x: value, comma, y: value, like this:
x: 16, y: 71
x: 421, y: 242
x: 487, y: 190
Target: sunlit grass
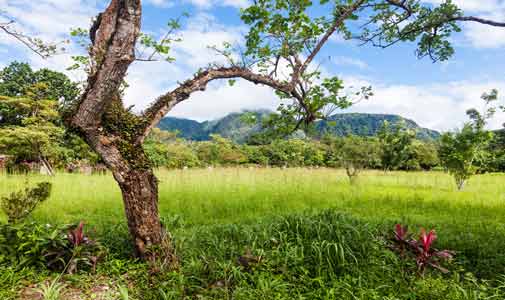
x: 238, y: 194
x: 206, y: 196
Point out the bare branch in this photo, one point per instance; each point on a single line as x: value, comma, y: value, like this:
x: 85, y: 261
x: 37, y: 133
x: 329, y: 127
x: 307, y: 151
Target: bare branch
x: 478, y: 20
x: 34, y: 45
x: 404, y: 6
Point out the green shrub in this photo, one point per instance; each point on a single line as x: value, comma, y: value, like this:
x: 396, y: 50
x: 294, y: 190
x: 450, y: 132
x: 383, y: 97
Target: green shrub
x: 180, y: 155
x: 18, y: 205
x: 26, y: 244
x: 60, y: 248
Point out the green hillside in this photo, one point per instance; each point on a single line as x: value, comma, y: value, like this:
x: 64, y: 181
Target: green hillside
x: 368, y: 125
x: 234, y: 127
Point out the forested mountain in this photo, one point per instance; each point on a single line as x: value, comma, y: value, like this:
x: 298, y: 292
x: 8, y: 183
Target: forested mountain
x: 235, y: 127
x: 368, y: 125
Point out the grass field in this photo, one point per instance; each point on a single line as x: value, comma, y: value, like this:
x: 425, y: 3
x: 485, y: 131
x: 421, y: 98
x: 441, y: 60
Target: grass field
x: 216, y: 214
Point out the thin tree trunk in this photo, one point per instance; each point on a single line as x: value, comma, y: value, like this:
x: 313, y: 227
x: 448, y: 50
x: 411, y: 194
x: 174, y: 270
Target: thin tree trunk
x: 460, y: 183
x: 46, y: 165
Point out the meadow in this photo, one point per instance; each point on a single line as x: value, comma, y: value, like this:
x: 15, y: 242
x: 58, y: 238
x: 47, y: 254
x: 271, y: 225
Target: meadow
x: 321, y: 238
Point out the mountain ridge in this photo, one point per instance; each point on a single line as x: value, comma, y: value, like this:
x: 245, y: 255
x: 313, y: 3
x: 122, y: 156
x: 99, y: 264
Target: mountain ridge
x: 234, y: 127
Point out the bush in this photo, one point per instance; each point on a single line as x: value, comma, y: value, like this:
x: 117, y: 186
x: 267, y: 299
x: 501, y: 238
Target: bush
x: 220, y: 151
x: 60, y: 248
x: 26, y: 244
x: 18, y: 205
x: 180, y: 155
x: 294, y: 153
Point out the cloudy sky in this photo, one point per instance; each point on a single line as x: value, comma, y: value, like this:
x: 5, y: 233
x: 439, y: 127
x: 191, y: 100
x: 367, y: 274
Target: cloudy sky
x: 434, y: 95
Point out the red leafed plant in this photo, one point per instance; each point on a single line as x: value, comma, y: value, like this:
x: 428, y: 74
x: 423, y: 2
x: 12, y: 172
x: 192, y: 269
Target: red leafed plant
x: 77, y: 251
x: 422, y: 249
x: 76, y: 236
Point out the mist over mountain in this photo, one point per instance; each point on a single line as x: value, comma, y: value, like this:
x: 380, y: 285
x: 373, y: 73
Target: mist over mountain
x: 234, y: 127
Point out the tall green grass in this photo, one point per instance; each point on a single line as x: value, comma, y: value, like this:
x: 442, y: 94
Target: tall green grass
x: 235, y: 194
x: 328, y: 234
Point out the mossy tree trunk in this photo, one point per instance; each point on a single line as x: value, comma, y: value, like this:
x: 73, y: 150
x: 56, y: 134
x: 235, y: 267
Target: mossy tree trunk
x: 117, y: 135
x: 139, y: 187
x: 140, y: 197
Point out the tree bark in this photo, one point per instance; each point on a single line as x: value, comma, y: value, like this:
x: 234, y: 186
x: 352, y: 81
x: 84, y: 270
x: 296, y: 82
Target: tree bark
x: 140, y: 197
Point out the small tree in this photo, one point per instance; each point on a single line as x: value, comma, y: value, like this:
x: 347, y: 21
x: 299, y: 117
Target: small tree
x: 31, y: 128
x: 424, y: 156
x: 460, y: 151
x: 396, y: 145
x: 355, y: 154
x: 19, y: 79
x: 36, y: 138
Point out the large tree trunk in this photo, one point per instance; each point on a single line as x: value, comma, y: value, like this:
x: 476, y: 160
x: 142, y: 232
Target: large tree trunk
x: 140, y: 198
x: 132, y: 171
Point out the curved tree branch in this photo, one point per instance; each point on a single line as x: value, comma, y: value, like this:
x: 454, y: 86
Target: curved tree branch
x: 166, y: 102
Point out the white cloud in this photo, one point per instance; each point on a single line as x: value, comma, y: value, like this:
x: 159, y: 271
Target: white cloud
x: 440, y: 106
x: 160, y: 3
x: 221, y: 99
x: 204, y: 31
x: 149, y: 80
x: 473, y: 5
x: 484, y: 36
x: 349, y: 61
x: 202, y: 4
x: 50, y: 19
x: 205, y: 4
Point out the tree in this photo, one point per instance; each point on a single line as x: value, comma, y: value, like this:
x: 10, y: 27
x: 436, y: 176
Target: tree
x: 36, y: 138
x: 396, y: 143
x: 460, y: 151
x: 355, y: 154
x: 283, y: 34
x: 18, y: 79
x: 31, y: 128
x: 424, y: 156
x: 496, y: 150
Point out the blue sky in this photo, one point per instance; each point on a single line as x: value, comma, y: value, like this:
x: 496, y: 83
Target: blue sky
x: 434, y: 95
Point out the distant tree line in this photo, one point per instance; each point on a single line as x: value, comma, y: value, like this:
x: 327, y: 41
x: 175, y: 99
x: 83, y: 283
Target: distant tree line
x: 166, y: 150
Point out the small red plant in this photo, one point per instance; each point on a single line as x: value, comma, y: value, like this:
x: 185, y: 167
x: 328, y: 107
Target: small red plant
x: 422, y: 249
x: 75, y: 252
x: 401, y: 232
x: 76, y: 236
